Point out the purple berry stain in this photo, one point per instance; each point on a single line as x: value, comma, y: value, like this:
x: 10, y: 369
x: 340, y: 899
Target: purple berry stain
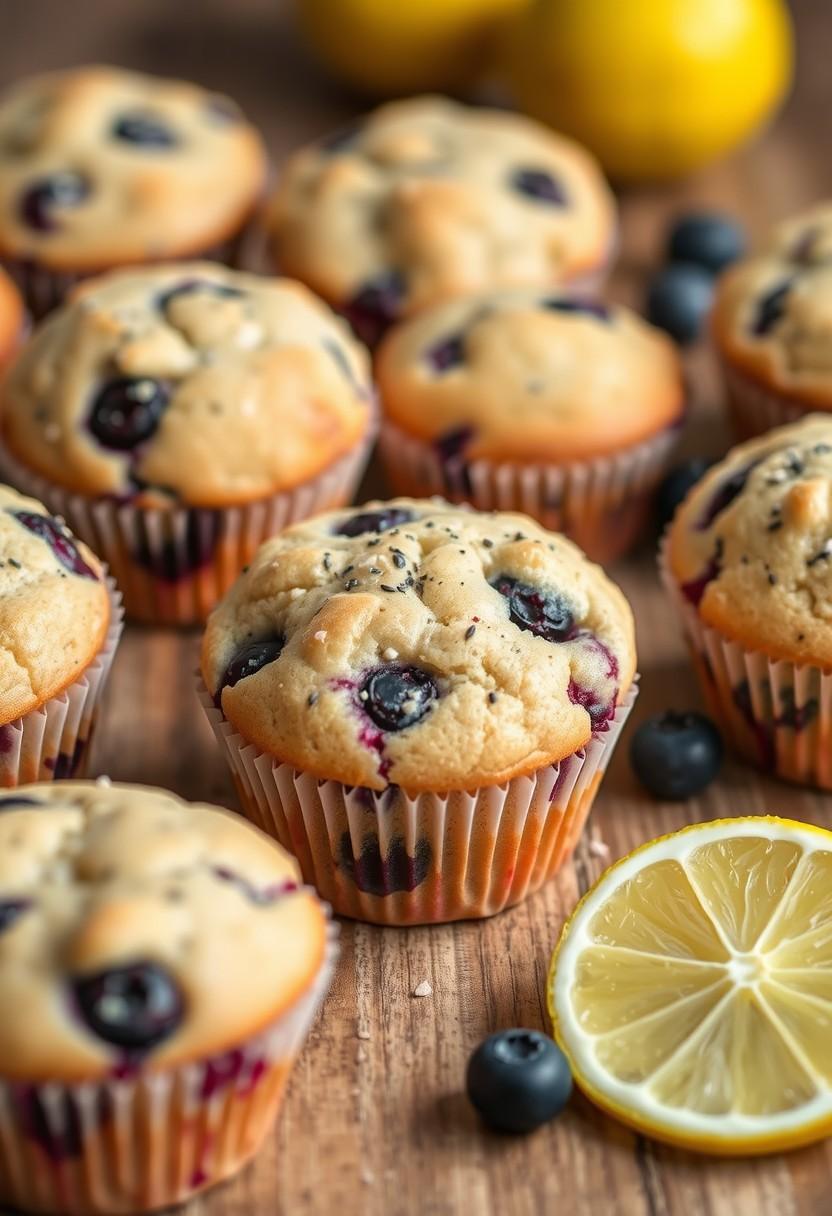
x: 727, y: 492
x: 447, y: 354
x: 539, y: 185
x: 770, y: 309
x: 695, y: 589
x: 175, y: 560
x: 58, y: 539
x: 374, y: 308
x: 377, y: 875
x: 42, y: 202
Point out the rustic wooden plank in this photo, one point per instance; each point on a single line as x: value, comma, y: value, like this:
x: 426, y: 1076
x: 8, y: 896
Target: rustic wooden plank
x: 375, y: 1123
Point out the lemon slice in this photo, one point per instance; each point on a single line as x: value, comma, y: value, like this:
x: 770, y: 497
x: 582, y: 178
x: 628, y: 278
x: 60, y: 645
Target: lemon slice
x: 692, y: 987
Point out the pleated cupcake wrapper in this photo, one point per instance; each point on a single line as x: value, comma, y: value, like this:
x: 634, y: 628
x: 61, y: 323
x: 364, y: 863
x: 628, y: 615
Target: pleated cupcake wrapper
x: 45, y: 289
x: 174, y: 564
x: 149, y: 1141
x: 754, y: 408
x: 773, y: 713
x: 397, y: 859
x: 52, y: 741
x: 601, y: 504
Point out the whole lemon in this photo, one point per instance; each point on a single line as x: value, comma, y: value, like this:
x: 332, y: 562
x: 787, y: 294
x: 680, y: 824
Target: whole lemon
x: 389, y: 47
x: 656, y: 88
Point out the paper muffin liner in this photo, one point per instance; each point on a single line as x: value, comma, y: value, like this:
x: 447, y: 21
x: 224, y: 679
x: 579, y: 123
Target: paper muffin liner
x: 173, y: 564
x: 773, y: 713
x: 44, y: 289
x: 755, y: 409
x: 53, y: 741
x: 603, y: 505
x: 148, y: 1141
x: 394, y: 858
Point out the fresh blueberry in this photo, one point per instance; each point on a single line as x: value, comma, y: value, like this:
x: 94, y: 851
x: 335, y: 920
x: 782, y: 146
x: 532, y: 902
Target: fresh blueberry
x: 676, y: 755
x: 674, y: 487
x: 447, y: 354
x: 373, y: 521
x: 542, y: 613
x: 708, y: 239
x: 190, y: 287
x: 58, y: 539
x: 248, y: 661
x: 589, y: 308
x: 48, y: 195
x: 518, y: 1080
x: 376, y: 306
x: 679, y: 300
x: 127, y: 411
x: 727, y: 492
x: 144, y: 129
x: 396, y: 696
x: 11, y: 910
x: 134, y: 1007
x: 770, y: 309
x: 539, y: 185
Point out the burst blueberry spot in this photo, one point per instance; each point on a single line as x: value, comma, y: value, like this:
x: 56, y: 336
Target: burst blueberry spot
x: 397, y: 696
x: 451, y: 446
x: 134, y: 1007
x: 59, y: 541
x: 11, y: 911
x: 694, y: 590
x: 15, y: 801
x: 249, y: 660
x: 377, y: 875
x: 447, y: 354
x: 590, y: 308
x: 42, y: 202
x: 375, y: 306
x: 771, y: 309
x: 727, y: 492
x: 127, y: 411
x: 542, y: 613
x: 144, y: 129
x: 374, y: 521
x: 189, y: 287
x: 539, y: 185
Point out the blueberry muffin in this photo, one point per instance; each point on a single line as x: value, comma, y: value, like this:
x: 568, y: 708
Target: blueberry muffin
x: 12, y: 319
x: 530, y: 400
x: 101, y: 167
x: 749, y: 562
x: 772, y: 323
x: 179, y: 415
x: 59, y: 625
x: 382, y: 657
x: 166, y: 965
x: 428, y: 199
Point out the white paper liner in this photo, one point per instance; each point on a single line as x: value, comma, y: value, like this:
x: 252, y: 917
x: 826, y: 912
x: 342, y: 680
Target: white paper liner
x: 601, y: 504
x: 52, y: 741
x: 150, y: 1141
x: 169, y: 585
x: 422, y: 858
x: 773, y: 713
x: 45, y: 289
x: 755, y: 409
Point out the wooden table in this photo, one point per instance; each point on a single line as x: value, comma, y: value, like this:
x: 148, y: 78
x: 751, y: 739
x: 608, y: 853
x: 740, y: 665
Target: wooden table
x: 376, y: 1123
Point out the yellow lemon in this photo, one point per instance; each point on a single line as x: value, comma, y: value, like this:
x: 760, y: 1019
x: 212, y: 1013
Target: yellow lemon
x: 390, y: 47
x: 656, y: 88
x: 692, y: 988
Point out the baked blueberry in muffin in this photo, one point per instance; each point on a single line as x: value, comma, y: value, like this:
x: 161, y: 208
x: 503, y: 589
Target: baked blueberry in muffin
x: 428, y: 198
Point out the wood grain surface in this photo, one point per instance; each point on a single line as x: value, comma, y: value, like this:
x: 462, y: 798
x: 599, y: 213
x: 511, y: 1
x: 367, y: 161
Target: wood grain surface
x: 376, y: 1123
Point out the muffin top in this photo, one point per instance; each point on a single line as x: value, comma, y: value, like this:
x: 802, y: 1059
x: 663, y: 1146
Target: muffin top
x: 54, y: 606
x: 773, y: 312
x: 524, y: 375
x: 428, y: 198
x: 752, y: 544
x: 137, y: 929
x: 187, y: 383
x: 422, y: 645
x: 99, y: 166
x: 12, y: 318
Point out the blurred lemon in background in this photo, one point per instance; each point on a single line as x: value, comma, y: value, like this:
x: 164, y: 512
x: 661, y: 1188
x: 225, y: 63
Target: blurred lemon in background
x: 656, y: 88
x: 389, y: 47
